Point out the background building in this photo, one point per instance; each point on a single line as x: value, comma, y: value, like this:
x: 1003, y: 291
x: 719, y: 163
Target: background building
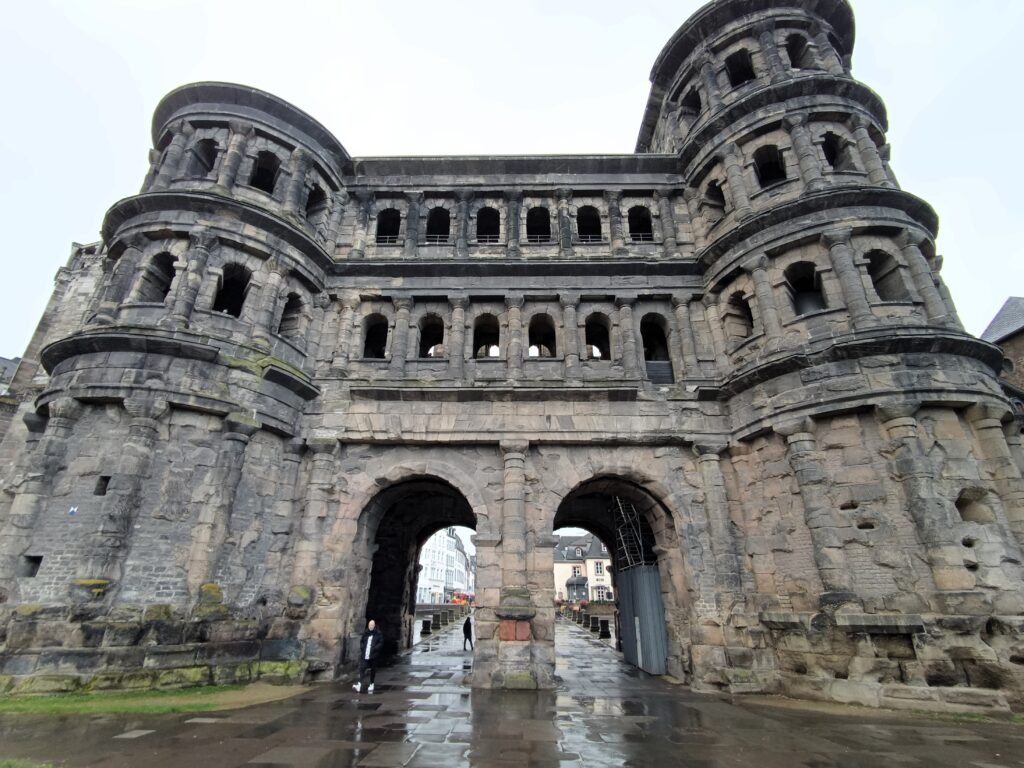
x: 445, y: 568
x: 582, y: 569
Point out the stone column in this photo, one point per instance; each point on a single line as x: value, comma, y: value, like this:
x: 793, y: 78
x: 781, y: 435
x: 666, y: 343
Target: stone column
x: 345, y: 350
x: 806, y: 152
x: 757, y: 267
x: 571, y: 342
x: 952, y: 316
x: 121, y: 278
x: 716, y: 506
x: 934, y: 517
x: 697, y: 221
x: 462, y: 215
x: 312, y: 328
x: 180, y: 133
x: 33, y: 492
x: 565, y: 249
x: 737, y: 183
x: 710, y: 81
x: 618, y: 239
x: 670, y: 244
x: 910, y: 242
x: 826, y: 529
x: 239, y: 137
x: 124, y: 494
x: 280, y: 558
x: 512, y: 223
x: 338, y: 205
x: 400, y: 339
x: 770, y: 51
x: 457, y: 343
x: 362, y: 223
x: 414, y: 200
x: 516, y: 603
x: 201, y: 242
x: 296, y: 182
x: 869, y: 154
x: 514, y: 354
x: 215, y: 515
x: 266, y: 314
x: 1016, y: 444
x: 714, y: 320
x: 321, y: 493
x: 630, y: 360
x: 684, y: 328
x: 829, y: 57
x: 849, y: 276
x: 997, y: 462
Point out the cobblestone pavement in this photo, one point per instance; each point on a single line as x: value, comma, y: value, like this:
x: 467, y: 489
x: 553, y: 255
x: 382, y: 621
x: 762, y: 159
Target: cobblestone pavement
x: 606, y: 714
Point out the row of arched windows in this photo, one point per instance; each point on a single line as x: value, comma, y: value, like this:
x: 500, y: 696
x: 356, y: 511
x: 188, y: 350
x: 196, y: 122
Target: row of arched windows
x: 541, y: 337
x: 803, y: 289
x: 538, y: 225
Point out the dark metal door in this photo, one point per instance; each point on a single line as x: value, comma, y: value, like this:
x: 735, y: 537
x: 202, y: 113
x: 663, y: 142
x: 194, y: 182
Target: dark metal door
x: 642, y: 618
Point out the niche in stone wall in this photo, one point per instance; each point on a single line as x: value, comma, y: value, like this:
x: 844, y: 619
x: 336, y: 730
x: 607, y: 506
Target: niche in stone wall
x: 804, y: 289
x: 431, y: 336
x: 486, y: 336
x: 488, y: 225
x: 739, y: 66
x: 265, y: 172
x: 641, y: 229
x: 234, y: 286
x: 439, y: 225
x: 538, y: 225
x: 541, y: 336
x: 972, y: 506
x: 375, y: 337
x: 838, y: 152
x: 588, y: 224
x: 291, y: 317
x: 156, y: 279
x: 597, y: 336
x: 737, y: 317
x: 388, y: 222
x: 712, y: 203
x: 886, y: 277
x: 202, y: 158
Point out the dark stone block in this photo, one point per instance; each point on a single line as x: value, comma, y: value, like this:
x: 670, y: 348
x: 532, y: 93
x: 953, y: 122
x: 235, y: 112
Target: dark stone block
x: 196, y: 632
x: 283, y: 649
x: 163, y: 633
x: 170, y: 656
x: 227, y: 653
x: 18, y: 663
x: 122, y: 633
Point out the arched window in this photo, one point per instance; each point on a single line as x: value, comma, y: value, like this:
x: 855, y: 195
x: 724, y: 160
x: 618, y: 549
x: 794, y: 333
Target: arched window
x: 799, y: 52
x: 156, y: 279
x: 316, y: 204
x: 769, y: 166
x: 375, y: 337
x: 265, y: 172
x: 388, y: 222
x: 538, y: 225
x: 541, y: 336
x: 712, y: 203
x: 488, y: 225
x: 431, y: 336
x: 597, y: 337
x: 588, y: 224
x: 838, y: 153
x: 439, y: 225
x: 202, y: 158
x: 886, y: 278
x: 640, y: 228
x: 737, y: 317
x: 291, y: 317
x: 234, y: 286
x: 690, y: 103
x: 740, y: 68
x: 652, y: 332
x: 804, y: 290
x: 486, y: 336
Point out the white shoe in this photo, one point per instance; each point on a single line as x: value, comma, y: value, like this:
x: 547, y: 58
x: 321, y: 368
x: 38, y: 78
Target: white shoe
x: 356, y: 687
x: 370, y: 689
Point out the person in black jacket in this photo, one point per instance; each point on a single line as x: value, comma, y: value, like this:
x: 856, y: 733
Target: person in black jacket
x: 467, y: 634
x: 369, y: 650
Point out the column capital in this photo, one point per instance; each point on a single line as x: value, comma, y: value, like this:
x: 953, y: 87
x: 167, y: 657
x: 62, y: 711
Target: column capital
x: 464, y: 195
x: 458, y: 302
x: 67, y: 408
x: 294, y: 448
x: 513, y: 195
x: 402, y: 302
x: 564, y: 195
x: 835, y: 237
x: 625, y: 301
x: 904, y: 409
x: 321, y: 300
x: 135, y: 241
x: 514, y: 449
x: 990, y: 412
x: 790, y: 429
x: 679, y: 300
x: 568, y: 300
x: 240, y: 127
x: 350, y: 301
x: 322, y: 446
x: 731, y: 151
x: 146, y: 405
x: 241, y: 425
x: 202, y: 238
x: 795, y: 119
x: 710, y: 449
x: 613, y: 196
x: 757, y: 264
x: 515, y: 301
x: 908, y: 237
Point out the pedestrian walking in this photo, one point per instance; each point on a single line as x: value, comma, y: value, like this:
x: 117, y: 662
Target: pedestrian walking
x: 369, y: 650
x: 467, y: 634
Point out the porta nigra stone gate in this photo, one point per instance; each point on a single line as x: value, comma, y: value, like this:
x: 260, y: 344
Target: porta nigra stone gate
x: 729, y: 355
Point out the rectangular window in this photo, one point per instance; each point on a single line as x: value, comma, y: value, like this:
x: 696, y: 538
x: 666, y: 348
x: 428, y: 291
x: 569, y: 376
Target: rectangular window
x: 598, y: 568
x: 28, y: 566
x: 575, y: 570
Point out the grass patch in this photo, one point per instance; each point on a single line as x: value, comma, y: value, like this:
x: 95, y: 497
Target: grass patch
x: 24, y: 764
x: 114, y: 702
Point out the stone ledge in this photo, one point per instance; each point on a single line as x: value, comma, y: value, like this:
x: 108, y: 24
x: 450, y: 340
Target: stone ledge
x: 880, y: 623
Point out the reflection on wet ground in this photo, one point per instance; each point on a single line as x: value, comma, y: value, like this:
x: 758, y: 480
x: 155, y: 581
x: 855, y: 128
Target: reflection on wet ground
x: 606, y: 714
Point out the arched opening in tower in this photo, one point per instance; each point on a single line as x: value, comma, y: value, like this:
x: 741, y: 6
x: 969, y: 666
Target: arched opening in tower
x: 611, y: 581
x: 401, y: 519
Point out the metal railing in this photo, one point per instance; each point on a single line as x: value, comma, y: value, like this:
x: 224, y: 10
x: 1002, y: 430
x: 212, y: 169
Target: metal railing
x: 538, y: 238
x: 437, y: 239
x: 641, y: 237
x: 387, y: 239
x: 486, y: 239
x: 590, y: 238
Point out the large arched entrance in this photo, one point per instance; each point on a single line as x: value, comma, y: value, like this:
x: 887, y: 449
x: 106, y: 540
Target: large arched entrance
x: 638, y: 533
x: 401, y: 519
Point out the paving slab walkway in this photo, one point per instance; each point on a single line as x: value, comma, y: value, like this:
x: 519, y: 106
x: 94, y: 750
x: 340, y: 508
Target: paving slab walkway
x: 605, y: 714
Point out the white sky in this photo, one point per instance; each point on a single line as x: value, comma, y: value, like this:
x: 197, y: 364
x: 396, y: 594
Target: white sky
x: 80, y: 80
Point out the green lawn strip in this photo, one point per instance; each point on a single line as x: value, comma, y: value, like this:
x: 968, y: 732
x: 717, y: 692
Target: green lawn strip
x: 24, y: 764
x: 137, y: 702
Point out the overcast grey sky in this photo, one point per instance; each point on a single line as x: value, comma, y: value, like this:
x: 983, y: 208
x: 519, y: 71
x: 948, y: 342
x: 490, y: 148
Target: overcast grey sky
x: 80, y: 81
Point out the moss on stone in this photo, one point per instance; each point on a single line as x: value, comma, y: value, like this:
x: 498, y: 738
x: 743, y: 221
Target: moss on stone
x: 47, y: 684
x: 232, y: 673
x: 183, y: 677
x: 279, y: 672
x: 6, y: 683
x: 158, y: 612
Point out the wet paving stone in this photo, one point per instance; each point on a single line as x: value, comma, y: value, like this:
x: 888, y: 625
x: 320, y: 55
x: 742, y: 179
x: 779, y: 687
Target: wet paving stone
x: 422, y: 715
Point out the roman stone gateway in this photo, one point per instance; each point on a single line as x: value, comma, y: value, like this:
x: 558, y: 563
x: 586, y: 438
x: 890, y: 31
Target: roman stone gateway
x: 729, y: 355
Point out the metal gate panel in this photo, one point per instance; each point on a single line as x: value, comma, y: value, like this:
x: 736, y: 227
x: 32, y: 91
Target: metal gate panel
x: 642, y: 618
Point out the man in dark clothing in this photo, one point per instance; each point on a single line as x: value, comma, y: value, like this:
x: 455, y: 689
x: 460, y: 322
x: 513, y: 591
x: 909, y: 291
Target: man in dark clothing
x: 467, y: 634
x: 369, y: 650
